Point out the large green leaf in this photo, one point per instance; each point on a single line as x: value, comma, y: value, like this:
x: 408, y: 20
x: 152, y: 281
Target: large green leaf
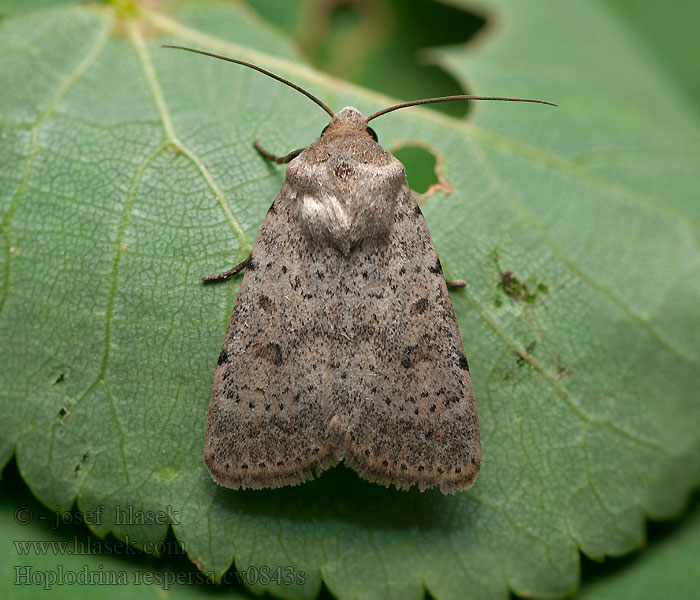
x: 127, y: 172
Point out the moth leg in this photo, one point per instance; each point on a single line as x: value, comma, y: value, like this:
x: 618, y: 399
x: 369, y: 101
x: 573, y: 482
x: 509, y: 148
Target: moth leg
x: 237, y: 269
x: 455, y: 283
x: 277, y: 159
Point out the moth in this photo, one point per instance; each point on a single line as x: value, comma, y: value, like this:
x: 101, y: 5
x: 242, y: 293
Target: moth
x: 343, y: 343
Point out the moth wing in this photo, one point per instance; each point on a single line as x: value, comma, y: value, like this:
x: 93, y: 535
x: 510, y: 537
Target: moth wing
x: 404, y: 404
x: 267, y: 424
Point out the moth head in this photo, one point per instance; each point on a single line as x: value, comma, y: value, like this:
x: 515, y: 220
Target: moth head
x: 348, y: 122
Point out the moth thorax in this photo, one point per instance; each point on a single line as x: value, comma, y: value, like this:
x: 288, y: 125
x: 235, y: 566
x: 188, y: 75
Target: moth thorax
x: 345, y: 220
x: 345, y: 198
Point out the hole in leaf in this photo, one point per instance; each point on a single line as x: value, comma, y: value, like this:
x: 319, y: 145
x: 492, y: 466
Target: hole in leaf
x: 420, y: 167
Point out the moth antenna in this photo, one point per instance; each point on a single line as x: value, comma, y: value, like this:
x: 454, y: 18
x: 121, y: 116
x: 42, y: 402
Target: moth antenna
x: 448, y: 98
x: 257, y: 68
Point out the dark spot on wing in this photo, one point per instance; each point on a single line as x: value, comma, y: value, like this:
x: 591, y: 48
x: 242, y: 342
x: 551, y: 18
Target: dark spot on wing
x: 451, y: 400
x: 436, y: 268
x: 265, y: 303
x: 420, y: 306
x: 271, y: 352
x: 408, y: 357
x: 223, y: 357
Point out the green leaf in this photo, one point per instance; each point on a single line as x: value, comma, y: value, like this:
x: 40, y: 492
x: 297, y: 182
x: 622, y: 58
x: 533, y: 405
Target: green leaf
x: 671, y: 36
x: 669, y: 568
x: 127, y: 173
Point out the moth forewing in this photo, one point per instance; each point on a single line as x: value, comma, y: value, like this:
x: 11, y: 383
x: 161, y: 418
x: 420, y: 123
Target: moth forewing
x: 343, y: 343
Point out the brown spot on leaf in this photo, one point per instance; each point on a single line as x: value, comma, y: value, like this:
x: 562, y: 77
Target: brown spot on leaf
x: 519, y: 290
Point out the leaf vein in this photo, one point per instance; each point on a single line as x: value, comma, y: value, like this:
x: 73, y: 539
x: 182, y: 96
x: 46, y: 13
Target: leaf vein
x: 166, y: 121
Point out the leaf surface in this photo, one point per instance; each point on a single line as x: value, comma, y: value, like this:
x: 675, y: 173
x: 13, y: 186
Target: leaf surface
x: 127, y: 172
x: 669, y: 567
